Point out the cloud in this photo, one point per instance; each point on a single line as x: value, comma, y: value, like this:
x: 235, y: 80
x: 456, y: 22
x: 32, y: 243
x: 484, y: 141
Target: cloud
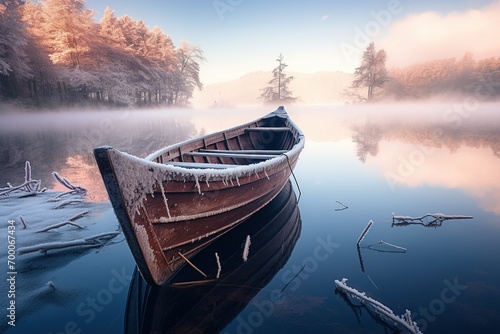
x: 325, y: 17
x: 430, y: 35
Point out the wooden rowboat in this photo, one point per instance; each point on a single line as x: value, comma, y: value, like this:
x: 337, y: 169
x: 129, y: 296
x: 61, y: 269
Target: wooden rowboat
x: 177, y: 200
x: 189, y: 305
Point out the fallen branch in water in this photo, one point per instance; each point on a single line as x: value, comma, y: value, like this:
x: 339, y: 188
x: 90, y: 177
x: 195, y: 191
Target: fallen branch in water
x: 365, y: 231
x: 26, y: 186
x: 398, y: 249
x: 428, y: 220
x: 387, y: 315
x: 93, y: 241
x: 67, y: 202
x: 343, y: 206
x: 73, y: 190
x: 51, y: 227
x: 21, y: 218
x: 66, y: 222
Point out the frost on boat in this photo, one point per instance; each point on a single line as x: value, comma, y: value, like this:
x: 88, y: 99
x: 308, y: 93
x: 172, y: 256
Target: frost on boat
x: 181, y: 197
x: 402, y: 323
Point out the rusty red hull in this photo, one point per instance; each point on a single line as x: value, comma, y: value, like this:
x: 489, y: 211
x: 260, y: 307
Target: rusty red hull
x: 179, y: 199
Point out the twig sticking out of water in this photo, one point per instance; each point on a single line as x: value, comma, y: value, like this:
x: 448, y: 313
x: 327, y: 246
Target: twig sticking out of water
x: 385, y: 313
x: 246, y: 249
x: 93, y: 241
x: 219, y: 268
x: 365, y: 231
x: 21, y: 218
x: 428, y: 220
x: 30, y: 186
x: 343, y: 206
x: 73, y: 190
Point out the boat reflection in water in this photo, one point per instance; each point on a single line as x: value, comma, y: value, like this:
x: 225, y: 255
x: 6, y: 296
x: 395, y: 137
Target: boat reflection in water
x: 192, y: 303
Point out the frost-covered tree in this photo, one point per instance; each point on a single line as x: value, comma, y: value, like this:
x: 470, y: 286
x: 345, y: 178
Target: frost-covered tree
x: 371, y: 74
x: 277, y: 89
x: 69, y: 28
x: 110, y: 29
x: 13, y: 60
x: 187, y: 74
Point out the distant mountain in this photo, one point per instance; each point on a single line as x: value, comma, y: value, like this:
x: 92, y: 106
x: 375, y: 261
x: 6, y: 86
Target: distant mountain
x: 314, y: 88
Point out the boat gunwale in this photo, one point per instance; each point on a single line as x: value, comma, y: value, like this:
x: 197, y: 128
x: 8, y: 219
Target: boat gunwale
x: 237, y: 169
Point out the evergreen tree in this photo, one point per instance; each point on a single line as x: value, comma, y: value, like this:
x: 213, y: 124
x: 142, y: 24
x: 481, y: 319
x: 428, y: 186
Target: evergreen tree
x: 278, y: 86
x: 372, y: 73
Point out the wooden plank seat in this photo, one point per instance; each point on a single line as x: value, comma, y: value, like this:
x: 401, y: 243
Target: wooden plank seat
x: 269, y: 152
x: 231, y: 155
x: 199, y: 165
x: 270, y: 129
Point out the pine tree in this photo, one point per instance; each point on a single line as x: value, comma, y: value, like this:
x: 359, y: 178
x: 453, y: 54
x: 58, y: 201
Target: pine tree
x: 278, y: 86
x: 372, y: 73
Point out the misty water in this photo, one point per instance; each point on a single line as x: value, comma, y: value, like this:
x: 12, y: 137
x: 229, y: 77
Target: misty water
x: 360, y: 163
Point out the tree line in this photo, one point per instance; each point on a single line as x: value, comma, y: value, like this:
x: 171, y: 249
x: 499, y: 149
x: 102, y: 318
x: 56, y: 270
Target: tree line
x: 54, y: 52
x: 442, y: 77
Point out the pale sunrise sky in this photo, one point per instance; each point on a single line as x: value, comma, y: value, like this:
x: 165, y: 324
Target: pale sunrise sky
x: 239, y: 36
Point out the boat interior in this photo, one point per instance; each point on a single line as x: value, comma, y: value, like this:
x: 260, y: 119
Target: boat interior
x: 246, y: 144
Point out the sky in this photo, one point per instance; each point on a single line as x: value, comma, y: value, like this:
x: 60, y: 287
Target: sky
x: 243, y: 36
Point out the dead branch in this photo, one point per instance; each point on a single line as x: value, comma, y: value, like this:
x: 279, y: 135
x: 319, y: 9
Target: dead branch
x: 67, y: 202
x: 51, y: 227
x: 93, y: 241
x: 428, y: 220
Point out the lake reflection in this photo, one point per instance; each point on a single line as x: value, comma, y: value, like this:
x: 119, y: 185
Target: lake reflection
x: 377, y: 160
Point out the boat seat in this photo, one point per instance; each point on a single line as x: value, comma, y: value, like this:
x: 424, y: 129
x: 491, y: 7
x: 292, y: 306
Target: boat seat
x: 270, y: 129
x: 269, y: 152
x: 231, y: 155
x: 199, y: 165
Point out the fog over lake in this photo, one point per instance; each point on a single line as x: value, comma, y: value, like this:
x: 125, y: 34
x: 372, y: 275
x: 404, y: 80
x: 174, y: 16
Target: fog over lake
x: 360, y: 163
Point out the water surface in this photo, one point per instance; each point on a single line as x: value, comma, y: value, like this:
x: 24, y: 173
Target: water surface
x: 360, y: 163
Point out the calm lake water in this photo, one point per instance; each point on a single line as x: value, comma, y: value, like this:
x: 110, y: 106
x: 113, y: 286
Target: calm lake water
x: 360, y: 163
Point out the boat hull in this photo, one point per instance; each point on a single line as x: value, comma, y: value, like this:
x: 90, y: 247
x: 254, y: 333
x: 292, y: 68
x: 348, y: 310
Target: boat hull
x: 168, y: 212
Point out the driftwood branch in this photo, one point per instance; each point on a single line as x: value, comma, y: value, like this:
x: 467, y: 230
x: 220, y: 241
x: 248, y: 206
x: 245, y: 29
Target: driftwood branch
x: 93, y: 241
x: 397, y: 249
x: 343, y: 206
x: 67, y: 222
x: 365, y: 231
x: 26, y: 186
x: 387, y: 315
x: 74, y: 190
x: 428, y: 220
x: 67, y: 202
